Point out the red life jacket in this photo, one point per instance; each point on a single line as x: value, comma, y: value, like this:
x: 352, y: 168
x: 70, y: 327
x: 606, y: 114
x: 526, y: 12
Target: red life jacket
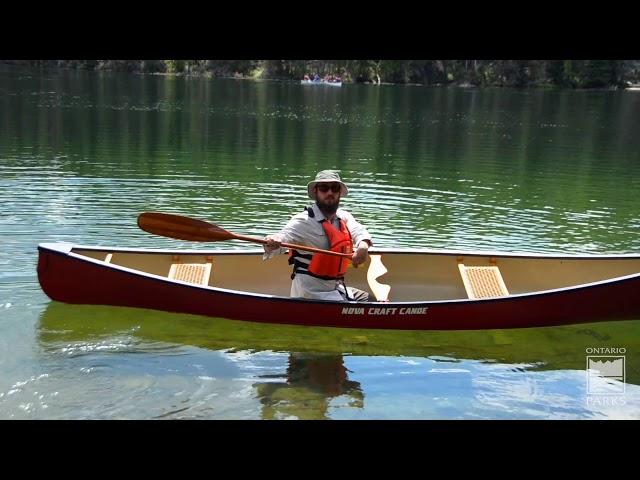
x: 326, y: 267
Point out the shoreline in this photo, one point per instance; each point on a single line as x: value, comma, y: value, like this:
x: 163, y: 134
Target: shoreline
x: 463, y: 84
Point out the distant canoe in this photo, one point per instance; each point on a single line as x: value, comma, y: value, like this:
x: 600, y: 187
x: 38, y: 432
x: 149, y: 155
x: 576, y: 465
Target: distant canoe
x: 430, y: 289
x: 321, y: 82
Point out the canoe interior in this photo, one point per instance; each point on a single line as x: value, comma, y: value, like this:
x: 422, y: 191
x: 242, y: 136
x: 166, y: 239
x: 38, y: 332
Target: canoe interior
x: 413, y: 276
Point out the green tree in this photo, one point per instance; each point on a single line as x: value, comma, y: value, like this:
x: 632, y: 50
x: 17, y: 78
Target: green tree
x: 174, y: 66
x: 599, y: 74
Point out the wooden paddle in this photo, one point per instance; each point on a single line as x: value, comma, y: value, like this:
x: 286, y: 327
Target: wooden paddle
x: 185, y: 228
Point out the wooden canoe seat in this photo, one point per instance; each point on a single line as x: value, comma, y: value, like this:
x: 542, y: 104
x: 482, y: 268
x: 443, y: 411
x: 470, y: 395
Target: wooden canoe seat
x: 483, y: 282
x: 196, y: 273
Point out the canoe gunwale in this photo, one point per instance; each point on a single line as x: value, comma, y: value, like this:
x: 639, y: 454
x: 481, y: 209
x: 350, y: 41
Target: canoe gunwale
x: 65, y: 246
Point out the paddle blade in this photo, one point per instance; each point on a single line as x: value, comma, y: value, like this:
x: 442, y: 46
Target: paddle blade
x: 377, y: 269
x: 182, y: 228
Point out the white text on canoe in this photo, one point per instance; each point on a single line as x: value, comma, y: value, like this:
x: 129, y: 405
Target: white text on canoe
x: 384, y: 311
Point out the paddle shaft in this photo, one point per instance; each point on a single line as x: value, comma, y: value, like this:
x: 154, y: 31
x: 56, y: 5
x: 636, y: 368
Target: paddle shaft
x: 292, y: 245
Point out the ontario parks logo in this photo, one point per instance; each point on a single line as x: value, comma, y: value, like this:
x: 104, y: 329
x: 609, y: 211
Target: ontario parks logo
x: 605, y: 375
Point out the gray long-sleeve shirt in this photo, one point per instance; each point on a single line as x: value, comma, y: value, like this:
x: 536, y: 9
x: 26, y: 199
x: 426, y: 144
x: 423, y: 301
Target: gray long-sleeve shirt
x: 305, y: 230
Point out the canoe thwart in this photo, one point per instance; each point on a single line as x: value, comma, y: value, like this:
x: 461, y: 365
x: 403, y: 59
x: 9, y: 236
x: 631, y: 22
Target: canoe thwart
x: 482, y: 282
x: 196, y: 273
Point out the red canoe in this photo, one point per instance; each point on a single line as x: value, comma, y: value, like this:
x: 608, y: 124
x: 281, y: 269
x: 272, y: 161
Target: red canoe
x: 430, y: 289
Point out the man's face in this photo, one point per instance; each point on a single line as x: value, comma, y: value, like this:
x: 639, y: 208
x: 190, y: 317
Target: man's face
x: 328, y: 196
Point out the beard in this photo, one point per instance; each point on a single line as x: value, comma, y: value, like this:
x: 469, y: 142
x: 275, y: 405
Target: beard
x: 328, y: 208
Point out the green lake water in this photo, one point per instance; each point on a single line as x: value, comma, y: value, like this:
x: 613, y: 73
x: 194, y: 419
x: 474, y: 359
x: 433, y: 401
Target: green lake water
x: 82, y: 154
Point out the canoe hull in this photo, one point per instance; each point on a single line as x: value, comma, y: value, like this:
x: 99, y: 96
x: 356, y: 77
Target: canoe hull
x: 73, y: 279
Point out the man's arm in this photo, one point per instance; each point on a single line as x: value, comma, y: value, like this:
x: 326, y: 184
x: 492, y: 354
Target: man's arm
x: 361, y: 239
x: 292, y: 232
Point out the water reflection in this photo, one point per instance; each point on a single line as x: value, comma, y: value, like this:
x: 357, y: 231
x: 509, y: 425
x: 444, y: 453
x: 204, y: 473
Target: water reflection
x: 447, y: 168
x: 311, y: 383
x: 549, y: 348
x: 307, y: 385
x: 246, y: 370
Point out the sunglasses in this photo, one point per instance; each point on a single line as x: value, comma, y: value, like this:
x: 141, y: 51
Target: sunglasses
x: 324, y: 188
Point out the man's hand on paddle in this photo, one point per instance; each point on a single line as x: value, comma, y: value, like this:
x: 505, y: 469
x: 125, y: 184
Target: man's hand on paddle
x: 273, y: 243
x: 361, y: 255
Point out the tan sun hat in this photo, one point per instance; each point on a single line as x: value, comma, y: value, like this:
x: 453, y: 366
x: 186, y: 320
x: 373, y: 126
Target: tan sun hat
x: 327, y: 176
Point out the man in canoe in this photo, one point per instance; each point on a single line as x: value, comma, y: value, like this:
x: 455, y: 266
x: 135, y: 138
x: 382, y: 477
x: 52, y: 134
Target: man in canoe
x: 323, y: 225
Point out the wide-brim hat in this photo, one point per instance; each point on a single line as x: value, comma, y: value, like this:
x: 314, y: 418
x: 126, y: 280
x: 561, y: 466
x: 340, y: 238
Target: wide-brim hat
x: 327, y: 176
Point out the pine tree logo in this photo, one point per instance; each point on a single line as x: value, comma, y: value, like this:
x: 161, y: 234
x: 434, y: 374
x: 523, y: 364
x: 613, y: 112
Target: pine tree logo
x: 605, y: 374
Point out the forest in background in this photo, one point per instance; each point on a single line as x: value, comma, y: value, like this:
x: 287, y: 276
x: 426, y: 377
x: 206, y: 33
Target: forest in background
x: 610, y: 74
